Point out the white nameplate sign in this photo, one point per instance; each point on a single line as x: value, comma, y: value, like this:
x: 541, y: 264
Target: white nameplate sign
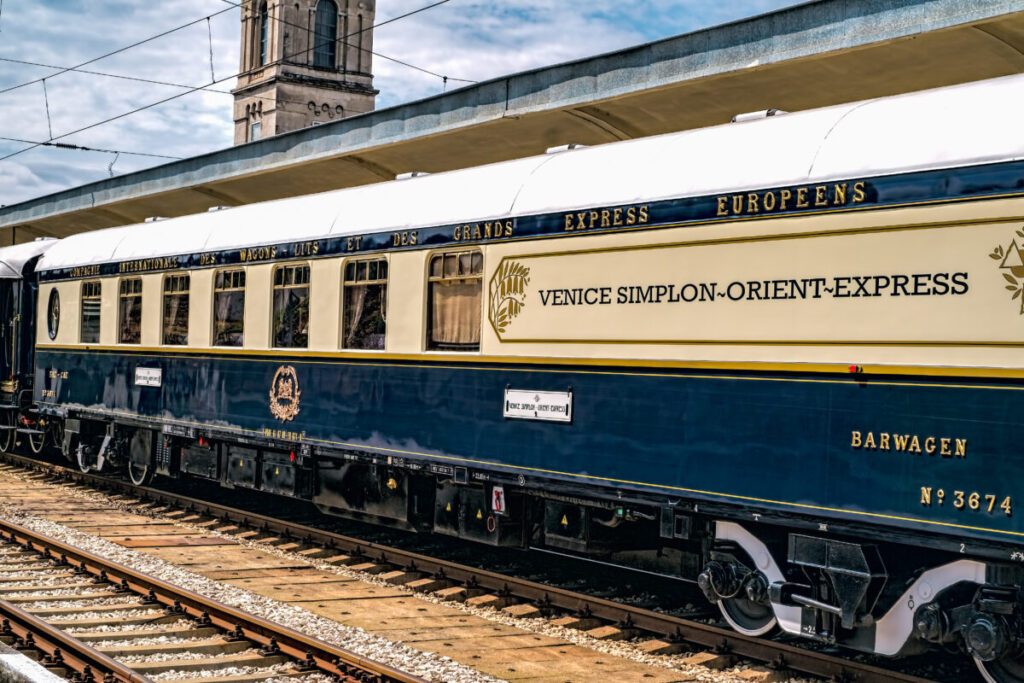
x: 553, y: 406
x: 149, y: 377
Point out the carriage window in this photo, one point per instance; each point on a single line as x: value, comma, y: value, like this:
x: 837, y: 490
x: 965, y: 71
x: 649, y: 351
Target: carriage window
x: 453, y: 315
x: 129, y: 311
x: 228, y: 308
x: 90, y: 331
x: 176, y: 309
x: 365, y: 304
x: 291, y: 306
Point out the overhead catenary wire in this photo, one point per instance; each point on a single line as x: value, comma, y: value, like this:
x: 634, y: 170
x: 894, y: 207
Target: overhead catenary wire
x: 85, y: 148
x: 345, y: 42
x: 190, y: 90
x: 117, y: 51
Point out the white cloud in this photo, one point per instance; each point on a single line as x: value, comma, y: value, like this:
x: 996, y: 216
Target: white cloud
x: 463, y: 39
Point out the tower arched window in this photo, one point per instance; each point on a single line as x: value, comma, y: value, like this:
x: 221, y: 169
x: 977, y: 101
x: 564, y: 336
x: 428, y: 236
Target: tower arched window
x: 325, y: 35
x: 264, y: 32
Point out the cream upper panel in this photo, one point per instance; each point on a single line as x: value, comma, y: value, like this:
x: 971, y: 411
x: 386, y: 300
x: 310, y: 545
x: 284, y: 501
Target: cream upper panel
x: 911, y: 286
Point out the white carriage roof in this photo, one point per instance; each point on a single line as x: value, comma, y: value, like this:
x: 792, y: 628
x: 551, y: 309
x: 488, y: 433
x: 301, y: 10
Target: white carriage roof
x: 14, y: 258
x: 955, y: 126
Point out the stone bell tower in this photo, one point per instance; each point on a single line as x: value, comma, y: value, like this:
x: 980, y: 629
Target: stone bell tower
x: 304, y: 62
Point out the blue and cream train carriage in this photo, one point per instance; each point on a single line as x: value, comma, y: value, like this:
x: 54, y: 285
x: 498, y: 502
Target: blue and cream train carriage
x: 783, y: 357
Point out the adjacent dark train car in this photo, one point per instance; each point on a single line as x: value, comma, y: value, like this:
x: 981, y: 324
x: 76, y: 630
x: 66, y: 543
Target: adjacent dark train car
x: 780, y: 357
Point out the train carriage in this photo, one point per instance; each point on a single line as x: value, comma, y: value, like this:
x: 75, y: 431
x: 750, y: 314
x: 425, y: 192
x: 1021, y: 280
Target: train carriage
x: 780, y: 357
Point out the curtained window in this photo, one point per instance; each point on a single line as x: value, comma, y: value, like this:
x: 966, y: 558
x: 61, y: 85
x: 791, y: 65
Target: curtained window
x: 176, y: 309
x: 455, y: 282
x: 325, y: 34
x: 129, y: 311
x: 229, y: 308
x: 90, y: 330
x: 291, y: 307
x: 364, y: 296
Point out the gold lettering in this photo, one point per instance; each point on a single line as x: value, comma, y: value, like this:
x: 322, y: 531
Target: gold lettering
x: 617, y: 217
x: 819, y: 195
x: 737, y: 204
x: 414, y: 237
x: 855, y: 440
x: 631, y: 215
x: 508, y: 228
x: 961, y: 448
x: 926, y: 495
x: 944, y: 446
x: 869, y: 441
x: 929, y: 444
x: 901, y: 441
x: 801, y: 198
x: 723, y: 208
x: 858, y: 192
x: 476, y: 231
x: 839, y: 194
x: 606, y: 218
x: 593, y: 219
x: 883, y: 441
x: 785, y: 196
x: 915, y: 445
x: 752, y: 202
x: 769, y: 201
x: 568, y: 224
x: 643, y: 213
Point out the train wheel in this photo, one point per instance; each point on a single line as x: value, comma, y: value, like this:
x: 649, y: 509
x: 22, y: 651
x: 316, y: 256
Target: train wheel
x: 748, y: 617
x: 140, y: 458
x: 7, y: 435
x: 1005, y: 670
x: 36, y: 442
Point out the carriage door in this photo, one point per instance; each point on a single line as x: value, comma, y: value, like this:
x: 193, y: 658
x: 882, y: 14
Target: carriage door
x: 8, y: 334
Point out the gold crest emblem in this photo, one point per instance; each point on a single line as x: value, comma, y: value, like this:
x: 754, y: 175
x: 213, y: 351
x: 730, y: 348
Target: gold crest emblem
x: 1011, y: 263
x: 284, y: 394
x: 508, y: 294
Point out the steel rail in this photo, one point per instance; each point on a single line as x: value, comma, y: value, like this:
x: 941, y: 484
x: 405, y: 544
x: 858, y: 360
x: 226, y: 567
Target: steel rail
x: 61, y: 649
x: 775, y: 654
x: 273, y: 638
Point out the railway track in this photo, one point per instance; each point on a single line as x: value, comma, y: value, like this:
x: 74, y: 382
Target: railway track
x: 97, y: 620
x: 665, y: 633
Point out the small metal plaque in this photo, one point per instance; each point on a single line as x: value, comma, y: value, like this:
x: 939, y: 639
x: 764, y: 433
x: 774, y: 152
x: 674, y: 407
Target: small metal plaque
x: 149, y: 377
x: 549, y: 406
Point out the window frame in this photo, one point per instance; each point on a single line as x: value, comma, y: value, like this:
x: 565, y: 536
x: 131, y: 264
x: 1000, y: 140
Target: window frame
x: 428, y: 309
x: 290, y: 265
x: 82, y: 297
x: 378, y: 258
x: 330, y: 47
x: 213, y: 304
x: 187, y: 293
x: 263, y: 39
x: 121, y: 282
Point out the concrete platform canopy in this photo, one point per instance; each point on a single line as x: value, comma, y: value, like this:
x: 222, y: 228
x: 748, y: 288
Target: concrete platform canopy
x: 810, y: 55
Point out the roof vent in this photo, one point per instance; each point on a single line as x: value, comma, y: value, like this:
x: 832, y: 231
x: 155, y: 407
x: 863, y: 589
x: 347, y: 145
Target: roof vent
x: 564, y: 148
x: 154, y: 219
x: 410, y: 174
x: 217, y: 208
x: 754, y: 115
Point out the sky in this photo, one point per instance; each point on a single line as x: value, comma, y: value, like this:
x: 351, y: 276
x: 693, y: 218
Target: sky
x: 472, y: 40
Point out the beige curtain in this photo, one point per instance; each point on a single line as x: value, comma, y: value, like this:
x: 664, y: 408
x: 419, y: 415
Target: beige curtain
x: 456, y: 313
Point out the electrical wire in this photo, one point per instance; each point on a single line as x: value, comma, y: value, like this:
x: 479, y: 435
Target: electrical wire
x: 117, y: 51
x: 190, y: 90
x: 83, y: 148
x: 343, y: 40
x: 206, y: 88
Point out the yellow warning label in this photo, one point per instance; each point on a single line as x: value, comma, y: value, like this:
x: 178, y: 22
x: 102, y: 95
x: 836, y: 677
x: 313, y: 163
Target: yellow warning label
x: 479, y: 514
x: 565, y: 522
x: 448, y: 508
